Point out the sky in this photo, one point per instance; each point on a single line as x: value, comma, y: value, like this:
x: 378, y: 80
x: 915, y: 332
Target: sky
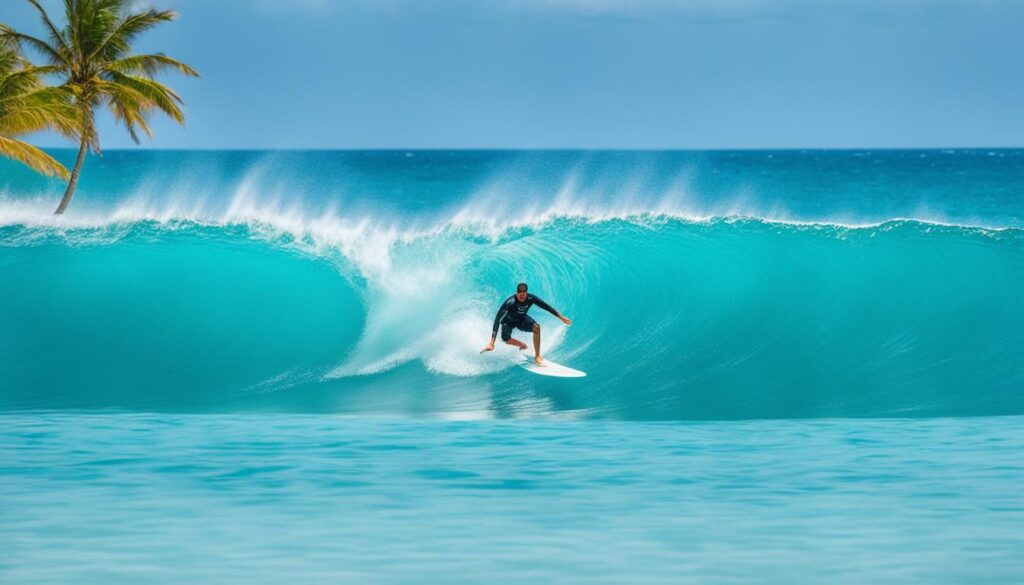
x: 641, y: 74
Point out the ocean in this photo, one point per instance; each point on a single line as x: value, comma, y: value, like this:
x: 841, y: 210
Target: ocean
x: 803, y: 367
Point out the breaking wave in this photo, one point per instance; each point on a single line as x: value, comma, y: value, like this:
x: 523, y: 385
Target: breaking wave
x: 676, y: 316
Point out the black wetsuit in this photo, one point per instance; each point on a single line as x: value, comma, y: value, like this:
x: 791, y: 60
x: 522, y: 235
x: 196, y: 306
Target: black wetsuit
x: 512, y: 314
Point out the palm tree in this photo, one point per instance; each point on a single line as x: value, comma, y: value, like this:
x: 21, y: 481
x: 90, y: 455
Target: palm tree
x: 26, y: 106
x: 92, y: 54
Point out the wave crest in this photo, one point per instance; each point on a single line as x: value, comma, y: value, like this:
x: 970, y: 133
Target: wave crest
x: 674, y: 318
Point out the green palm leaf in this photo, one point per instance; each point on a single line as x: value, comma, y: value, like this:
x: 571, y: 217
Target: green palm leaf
x: 91, y: 54
x: 149, y: 65
x: 53, y: 56
x: 26, y: 106
x: 33, y: 157
x: 55, y: 35
x: 119, y: 40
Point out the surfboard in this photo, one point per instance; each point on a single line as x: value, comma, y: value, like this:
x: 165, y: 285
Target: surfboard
x: 549, y: 368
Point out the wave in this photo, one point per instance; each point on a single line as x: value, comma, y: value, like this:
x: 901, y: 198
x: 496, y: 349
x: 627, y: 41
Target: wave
x: 490, y: 192
x: 675, y: 316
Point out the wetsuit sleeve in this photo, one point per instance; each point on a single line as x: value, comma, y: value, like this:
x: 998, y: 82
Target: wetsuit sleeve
x: 501, y: 313
x: 540, y: 303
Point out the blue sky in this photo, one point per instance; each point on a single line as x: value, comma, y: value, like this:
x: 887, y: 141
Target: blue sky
x: 588, y: 73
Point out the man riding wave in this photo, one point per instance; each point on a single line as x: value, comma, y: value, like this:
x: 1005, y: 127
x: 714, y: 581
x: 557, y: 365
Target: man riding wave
x: 512, y: 315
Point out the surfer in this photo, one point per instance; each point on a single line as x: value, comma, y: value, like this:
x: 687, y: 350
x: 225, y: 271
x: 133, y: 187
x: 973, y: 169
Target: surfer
x: 512, y: 315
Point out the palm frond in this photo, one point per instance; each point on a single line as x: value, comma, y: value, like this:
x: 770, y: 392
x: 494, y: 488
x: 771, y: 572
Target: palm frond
x: 25, y: 105
x: 18, y: 75
x: 152, y: 93
x: 119, y: 40
x: 10, y: 57
x: 92, y: 53
x: 149, y: 65
x: 130, y: 107
x: 45, y: 108
x: 55, y: 35
x: 18, y: 83
x: 52, y: 55
x: 33, y: 157
x: 96, y: 20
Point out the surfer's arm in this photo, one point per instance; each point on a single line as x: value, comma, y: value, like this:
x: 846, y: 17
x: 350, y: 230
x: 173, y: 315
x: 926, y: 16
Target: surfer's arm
x: 497, y: 318
x: 540, y: 303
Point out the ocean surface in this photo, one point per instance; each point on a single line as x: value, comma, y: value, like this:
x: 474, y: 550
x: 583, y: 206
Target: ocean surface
x: 803, y: 366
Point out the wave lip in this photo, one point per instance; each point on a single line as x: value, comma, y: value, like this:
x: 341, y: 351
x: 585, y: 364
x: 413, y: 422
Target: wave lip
x: 673, y: 318
x: 351, y: 233
x: 769, y: 284
x: 503, y: 189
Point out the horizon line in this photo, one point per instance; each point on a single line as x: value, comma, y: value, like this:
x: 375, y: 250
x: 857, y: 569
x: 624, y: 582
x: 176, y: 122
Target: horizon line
x: 547, y: 149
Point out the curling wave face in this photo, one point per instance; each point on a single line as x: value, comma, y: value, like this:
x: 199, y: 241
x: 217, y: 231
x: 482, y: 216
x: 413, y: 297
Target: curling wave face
x: 674, y: 319
x: 682, y: 309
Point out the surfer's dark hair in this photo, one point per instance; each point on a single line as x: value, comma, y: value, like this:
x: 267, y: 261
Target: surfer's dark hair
x: 521, y: 287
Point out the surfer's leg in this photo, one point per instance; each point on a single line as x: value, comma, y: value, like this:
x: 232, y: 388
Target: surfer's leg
x: 529, y: 325
x: 516, y: 343
x: 506, y: 336
x: 536, y: 342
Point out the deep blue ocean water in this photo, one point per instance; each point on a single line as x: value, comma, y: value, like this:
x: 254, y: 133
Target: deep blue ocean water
x: 804, y: 366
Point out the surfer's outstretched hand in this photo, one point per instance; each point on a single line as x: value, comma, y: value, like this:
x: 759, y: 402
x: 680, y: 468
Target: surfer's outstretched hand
x: 566, y: 320
x: 488, y: 347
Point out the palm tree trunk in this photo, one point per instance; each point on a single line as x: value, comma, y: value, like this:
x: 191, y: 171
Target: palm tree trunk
x: 74, y: 178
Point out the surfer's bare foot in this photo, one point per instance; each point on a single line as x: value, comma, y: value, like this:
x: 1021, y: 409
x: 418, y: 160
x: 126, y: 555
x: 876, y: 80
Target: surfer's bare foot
x: 539, y: 360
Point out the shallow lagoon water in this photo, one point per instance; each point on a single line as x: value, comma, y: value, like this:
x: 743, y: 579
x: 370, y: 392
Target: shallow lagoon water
x: 156, y: 498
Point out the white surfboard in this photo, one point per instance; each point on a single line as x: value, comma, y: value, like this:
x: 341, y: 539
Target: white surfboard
x: 549, y: 368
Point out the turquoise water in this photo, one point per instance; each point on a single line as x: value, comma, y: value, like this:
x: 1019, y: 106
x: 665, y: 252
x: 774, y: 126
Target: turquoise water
x: 317, y: 499
x: 804, y: 366
x: 673, y: 320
